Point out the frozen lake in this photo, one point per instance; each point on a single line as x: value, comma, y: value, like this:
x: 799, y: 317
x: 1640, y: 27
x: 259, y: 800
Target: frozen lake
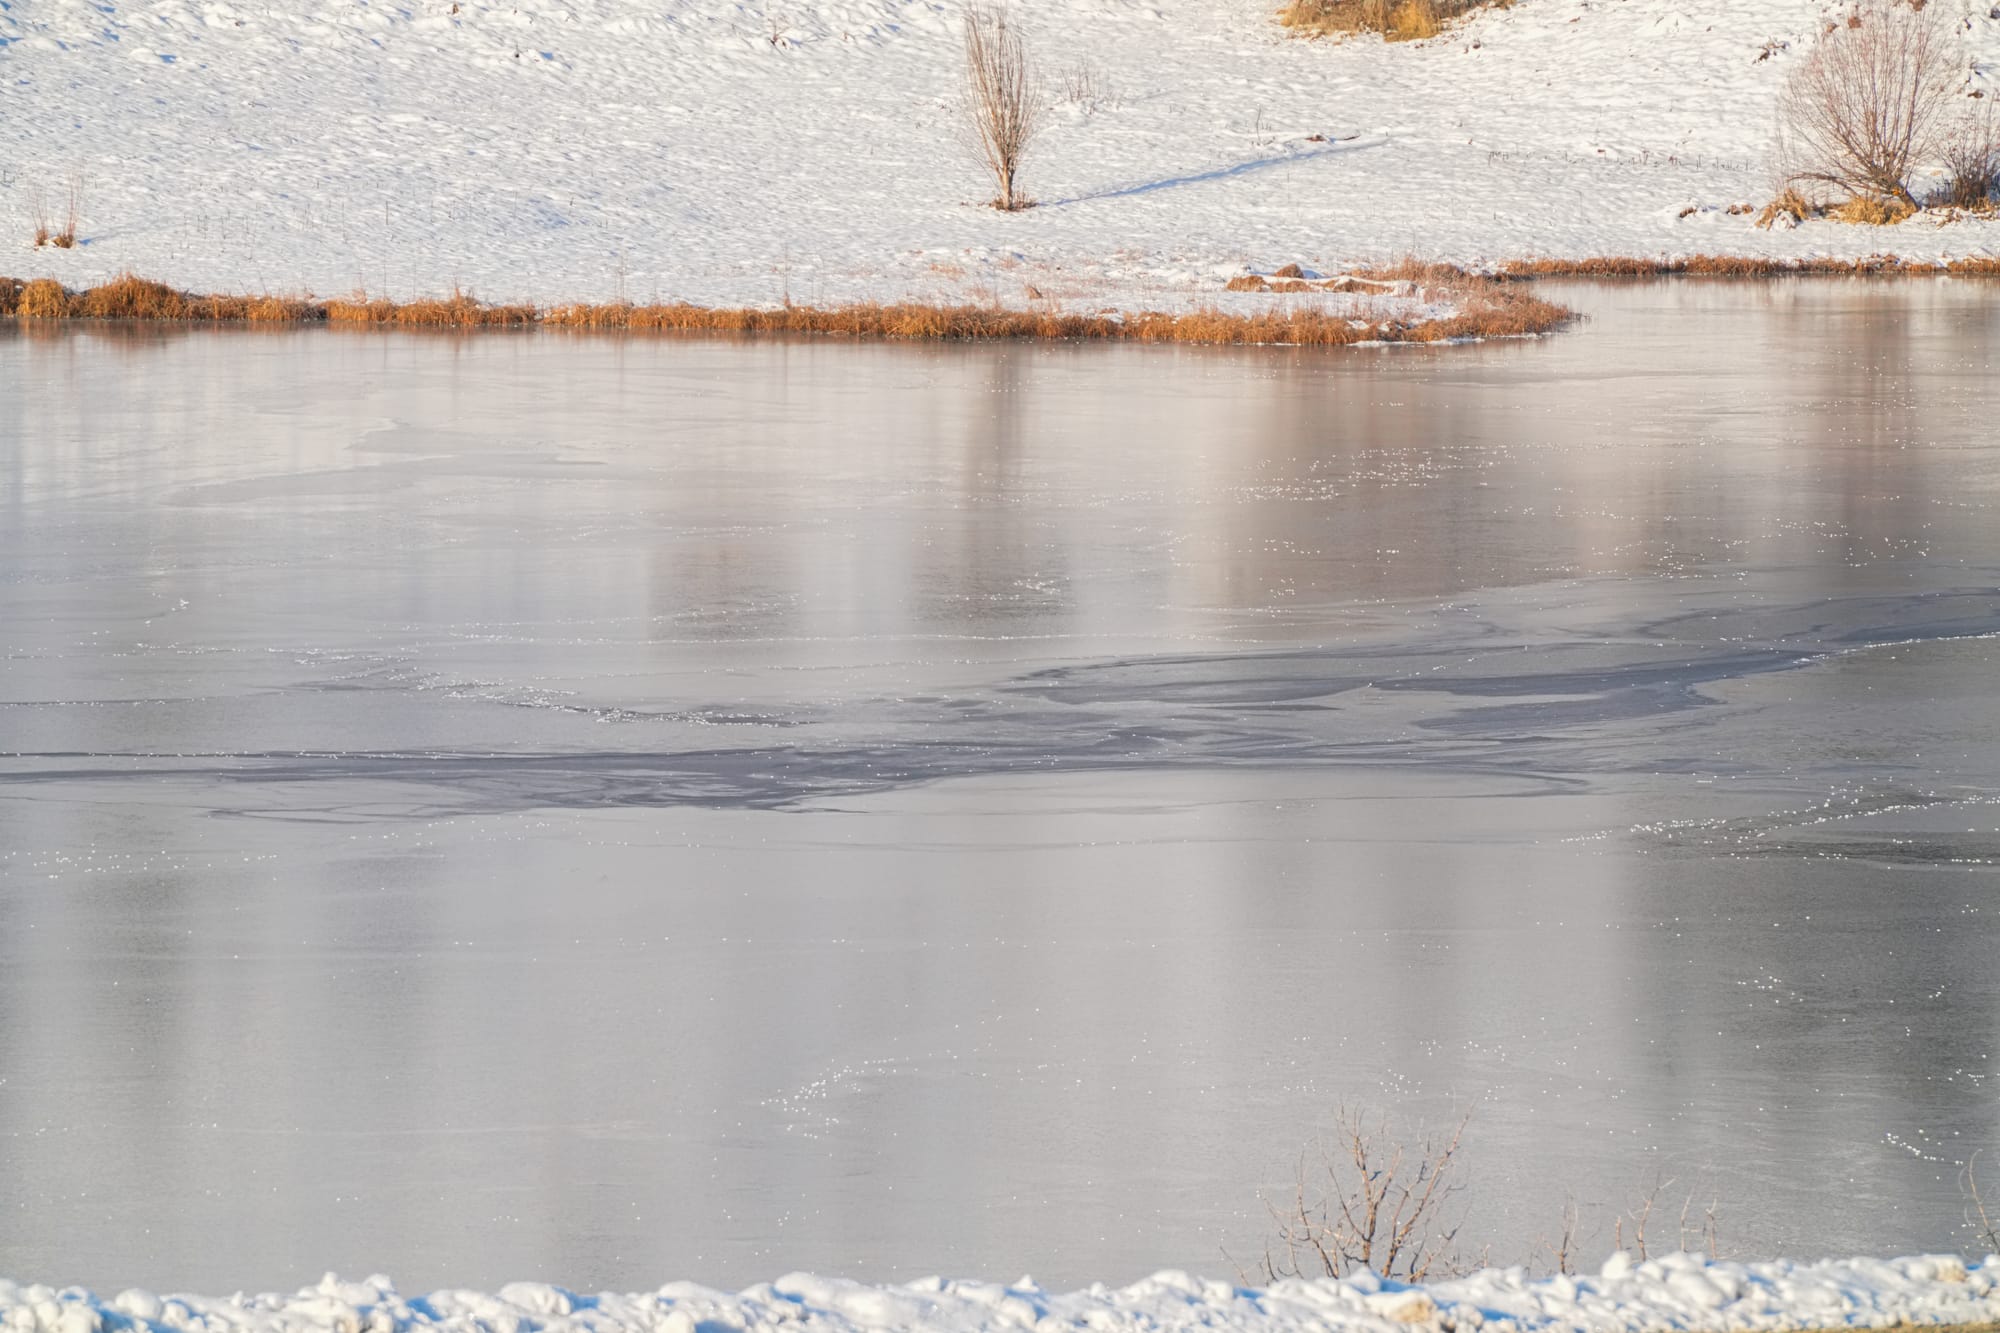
x: 611, y: 811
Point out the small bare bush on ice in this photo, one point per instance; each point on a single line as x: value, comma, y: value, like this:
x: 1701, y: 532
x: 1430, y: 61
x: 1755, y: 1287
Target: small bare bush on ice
x: 1985, y: 1229
x: 1870, y: 102
x: 1364, y: 1200
x: 1006, y: 104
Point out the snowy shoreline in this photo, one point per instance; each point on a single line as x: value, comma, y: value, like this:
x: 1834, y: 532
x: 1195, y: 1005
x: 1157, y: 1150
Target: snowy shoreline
x: 758, y: 153
x: 1680, y: 1293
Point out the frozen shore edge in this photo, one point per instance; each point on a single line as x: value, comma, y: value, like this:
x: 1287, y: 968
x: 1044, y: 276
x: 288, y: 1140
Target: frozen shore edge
x: 1673, y: 1293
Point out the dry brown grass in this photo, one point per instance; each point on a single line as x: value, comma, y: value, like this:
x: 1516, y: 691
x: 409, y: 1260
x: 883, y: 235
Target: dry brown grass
x: 44, y: 298
x: 1485, y: 309
x: 132, y: 297
x: 1790, y: 203
x: 1735, y: 266
x: 1690, y: 266
x: 1866, y: 211
x: 461, y: 311
x: 1488, y: 305
x: 1392, y: 20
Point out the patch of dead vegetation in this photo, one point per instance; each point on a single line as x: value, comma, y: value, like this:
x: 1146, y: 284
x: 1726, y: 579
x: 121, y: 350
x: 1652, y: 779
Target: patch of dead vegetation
x: 1696, y: 266
x: 1868, y: 211
x: 1482, y: 308
x: 1392, y: 20
x: 461, y: 310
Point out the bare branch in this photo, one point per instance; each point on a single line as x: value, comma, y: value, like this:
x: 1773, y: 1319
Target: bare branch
x: 1983, y: 1227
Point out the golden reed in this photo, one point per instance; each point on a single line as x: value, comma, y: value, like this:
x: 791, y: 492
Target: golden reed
x: 1485, y: 309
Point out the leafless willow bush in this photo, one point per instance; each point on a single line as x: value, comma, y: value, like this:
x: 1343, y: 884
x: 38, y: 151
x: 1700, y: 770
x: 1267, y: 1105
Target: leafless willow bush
x: 1971, y: 158
x: 1871, y: 102
x: 1006, y: 103
x: 1364, y: 1200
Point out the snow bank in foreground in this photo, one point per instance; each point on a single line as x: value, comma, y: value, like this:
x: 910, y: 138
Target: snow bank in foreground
x: 1678, y: 1292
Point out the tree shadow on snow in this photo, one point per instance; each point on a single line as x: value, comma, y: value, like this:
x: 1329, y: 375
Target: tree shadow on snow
x: 1255, y: 164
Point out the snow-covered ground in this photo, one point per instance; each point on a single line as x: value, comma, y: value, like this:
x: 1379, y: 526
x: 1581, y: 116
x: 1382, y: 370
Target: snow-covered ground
x: 1680, y: 1292
x: 749, y: 151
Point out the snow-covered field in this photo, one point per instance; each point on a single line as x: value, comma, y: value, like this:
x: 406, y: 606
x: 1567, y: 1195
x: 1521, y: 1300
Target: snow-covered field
x: 1680, y: 1292
x: 749, y: 151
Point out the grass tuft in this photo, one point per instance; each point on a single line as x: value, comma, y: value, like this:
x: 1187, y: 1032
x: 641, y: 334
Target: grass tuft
x: 1789, y: 209
x: 129, y: 296
x: 1867, y: 211
x: 44, y: 298
x: 1392, y: 20
x: 461, y: 311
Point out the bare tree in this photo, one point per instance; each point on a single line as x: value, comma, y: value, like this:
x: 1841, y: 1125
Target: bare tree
x: 1363, y: 1200
x: 1005, y: 100
x: 1869, y: 103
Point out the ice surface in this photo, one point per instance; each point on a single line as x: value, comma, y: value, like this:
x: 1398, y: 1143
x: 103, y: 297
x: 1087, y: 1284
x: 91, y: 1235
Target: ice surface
x: 605, y: 810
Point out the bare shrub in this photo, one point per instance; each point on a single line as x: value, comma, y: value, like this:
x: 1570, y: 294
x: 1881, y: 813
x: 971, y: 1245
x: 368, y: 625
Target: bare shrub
x: 1971, y: 158
x: 1637, y: 1219
x: 1005, y: 101
x: 1705, y: 1232
x: 72, y: 210
x: 1087, y: 88
x: 1562, y: 1251
x: 1980, y: 1222
x: 1364, y: 1200
x: 1867, y: 105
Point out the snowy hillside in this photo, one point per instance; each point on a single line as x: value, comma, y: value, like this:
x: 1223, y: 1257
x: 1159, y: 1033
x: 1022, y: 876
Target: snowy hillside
x: 1681, y: 1292
x: 749, y: 151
